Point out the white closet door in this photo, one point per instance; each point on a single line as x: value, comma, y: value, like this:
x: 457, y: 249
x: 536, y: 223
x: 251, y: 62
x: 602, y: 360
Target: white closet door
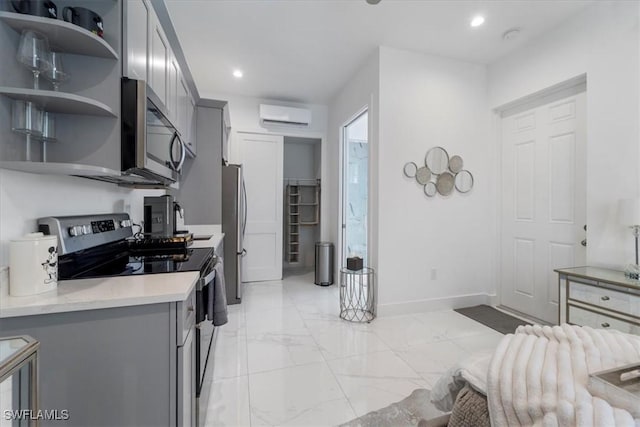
x: 262, y: 160
x: 543, y: 204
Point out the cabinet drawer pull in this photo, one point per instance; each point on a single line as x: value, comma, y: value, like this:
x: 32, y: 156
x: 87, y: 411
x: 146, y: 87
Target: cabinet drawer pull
x: 605, y: 298
x: 605, y: 325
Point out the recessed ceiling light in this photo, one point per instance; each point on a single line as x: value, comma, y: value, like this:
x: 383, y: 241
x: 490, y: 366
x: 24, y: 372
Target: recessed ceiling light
x: 373, y: 1
x: 237, y: 74
x: 477, y: 21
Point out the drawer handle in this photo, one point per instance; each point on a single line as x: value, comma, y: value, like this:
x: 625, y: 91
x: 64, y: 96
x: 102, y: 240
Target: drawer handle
x: 190, y: 308
x: 605, y: 298
x: 606, y: 325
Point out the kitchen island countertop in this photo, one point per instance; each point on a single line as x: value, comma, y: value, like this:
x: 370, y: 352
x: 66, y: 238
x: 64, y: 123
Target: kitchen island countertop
x: 107, y: 292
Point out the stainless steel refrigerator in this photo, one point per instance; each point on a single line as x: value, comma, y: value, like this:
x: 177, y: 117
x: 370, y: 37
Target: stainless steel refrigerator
x: 234, y: 223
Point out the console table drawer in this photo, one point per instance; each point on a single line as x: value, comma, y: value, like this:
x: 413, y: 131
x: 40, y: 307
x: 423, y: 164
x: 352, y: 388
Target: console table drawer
x: 584, y: 317
x: 606, y: 298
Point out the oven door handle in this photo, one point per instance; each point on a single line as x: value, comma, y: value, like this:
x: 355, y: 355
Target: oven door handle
x: 208, y: 278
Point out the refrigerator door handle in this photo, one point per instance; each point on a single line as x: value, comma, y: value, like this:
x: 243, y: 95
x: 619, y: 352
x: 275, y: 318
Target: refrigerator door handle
x: 246, y: 209
x: 243, y: 253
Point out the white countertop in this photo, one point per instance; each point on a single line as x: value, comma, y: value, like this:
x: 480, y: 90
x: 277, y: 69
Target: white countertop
x: 108, y: 292
x: 203, y: 230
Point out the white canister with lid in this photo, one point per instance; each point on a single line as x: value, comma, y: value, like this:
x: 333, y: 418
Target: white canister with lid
x: 33, y: 264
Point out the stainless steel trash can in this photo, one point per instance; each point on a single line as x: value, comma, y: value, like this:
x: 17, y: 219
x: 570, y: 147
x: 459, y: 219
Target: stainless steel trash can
x: 324, y: 264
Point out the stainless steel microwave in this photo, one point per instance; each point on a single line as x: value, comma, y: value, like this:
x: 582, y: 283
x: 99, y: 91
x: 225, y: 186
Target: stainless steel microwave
x: 151, y: 145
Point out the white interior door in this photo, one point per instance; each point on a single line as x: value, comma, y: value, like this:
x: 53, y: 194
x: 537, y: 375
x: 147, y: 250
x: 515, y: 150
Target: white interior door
x: 262, y: 159
x: 543, y: 202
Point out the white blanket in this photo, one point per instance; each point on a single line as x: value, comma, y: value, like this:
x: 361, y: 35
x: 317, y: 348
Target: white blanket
x: 538, y: 376
x: 471, y: 370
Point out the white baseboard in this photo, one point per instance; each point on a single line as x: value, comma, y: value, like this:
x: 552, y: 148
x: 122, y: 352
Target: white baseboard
x: 433, y: 304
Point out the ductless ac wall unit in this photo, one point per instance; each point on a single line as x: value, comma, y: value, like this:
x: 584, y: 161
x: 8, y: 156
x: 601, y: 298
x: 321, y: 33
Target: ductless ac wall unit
x: 288, y: 116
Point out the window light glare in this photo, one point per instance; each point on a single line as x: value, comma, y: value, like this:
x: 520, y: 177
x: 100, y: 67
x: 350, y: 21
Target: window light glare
x: 237, y: 74
x: 477, y: 21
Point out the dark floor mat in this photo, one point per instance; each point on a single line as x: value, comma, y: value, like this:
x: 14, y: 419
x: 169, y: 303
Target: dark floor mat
x: 492, y: 318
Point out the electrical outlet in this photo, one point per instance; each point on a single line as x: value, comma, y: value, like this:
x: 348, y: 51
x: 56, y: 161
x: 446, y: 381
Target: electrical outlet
x: 434, y: 274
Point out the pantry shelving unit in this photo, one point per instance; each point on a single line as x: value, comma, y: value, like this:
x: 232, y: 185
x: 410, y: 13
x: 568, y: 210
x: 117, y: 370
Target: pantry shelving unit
x: 302, y: 201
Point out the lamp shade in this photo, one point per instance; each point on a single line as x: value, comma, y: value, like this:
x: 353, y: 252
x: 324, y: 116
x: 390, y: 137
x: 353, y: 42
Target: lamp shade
x: 629, y: 212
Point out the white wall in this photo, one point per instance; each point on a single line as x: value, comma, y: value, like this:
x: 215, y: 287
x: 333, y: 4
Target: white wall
x: 244, y: 115
x: 602, y: 42
x: 435, y: 252
x: 361, y: 91
x: 26, y: 197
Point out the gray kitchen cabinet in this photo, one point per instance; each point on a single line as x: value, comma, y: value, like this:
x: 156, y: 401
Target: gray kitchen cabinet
x: 200, y: 185
x: 172, y: 89
x: 187, y: 381
x: 139, y: 42
x: 136, y: 17
x: 183, y: 101
x: 192, y: 141
x: 124, y: 366
x: 159, y: 53
x: 87, y: 107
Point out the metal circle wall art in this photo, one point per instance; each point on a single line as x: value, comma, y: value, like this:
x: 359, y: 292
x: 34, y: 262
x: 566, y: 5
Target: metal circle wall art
x: 437, y: 160
x: 423, y: 175
x: 430, y: 189
x: 441, y: 174
x: 464, y: 181
x: 455, y: 164
x: 445, y: 183
x: 410, y: 170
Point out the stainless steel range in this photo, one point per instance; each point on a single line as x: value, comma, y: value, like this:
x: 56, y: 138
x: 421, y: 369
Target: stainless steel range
x: 105, y: 245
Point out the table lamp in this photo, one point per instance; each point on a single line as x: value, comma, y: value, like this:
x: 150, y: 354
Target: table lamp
x: 629, y: 215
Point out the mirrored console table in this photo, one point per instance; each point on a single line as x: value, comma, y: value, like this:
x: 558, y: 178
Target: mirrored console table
x: 600, y: 298
x: 19, y: 368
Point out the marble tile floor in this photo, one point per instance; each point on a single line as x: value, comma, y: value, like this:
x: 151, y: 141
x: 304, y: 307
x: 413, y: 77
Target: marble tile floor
x: 286, y: 358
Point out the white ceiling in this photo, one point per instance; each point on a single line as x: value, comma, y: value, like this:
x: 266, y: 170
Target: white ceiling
x: 305, y: 50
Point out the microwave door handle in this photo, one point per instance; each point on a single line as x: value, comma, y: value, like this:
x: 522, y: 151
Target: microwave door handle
x: 183, y: 154
x: 172, y: 162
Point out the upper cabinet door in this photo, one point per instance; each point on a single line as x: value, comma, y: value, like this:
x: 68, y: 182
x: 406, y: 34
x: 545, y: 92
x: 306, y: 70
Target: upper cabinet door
x: 183, y: 96
x: 159, y: 52
x: 136, y: 38
x: 191, y: 125
x: 172, y: 90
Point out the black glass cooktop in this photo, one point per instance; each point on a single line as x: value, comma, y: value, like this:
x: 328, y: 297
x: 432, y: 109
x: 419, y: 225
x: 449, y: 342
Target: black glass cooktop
x: 127, y: 263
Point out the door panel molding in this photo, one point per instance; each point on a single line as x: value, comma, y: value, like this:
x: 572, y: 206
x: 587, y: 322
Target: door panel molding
x: 262, y: 158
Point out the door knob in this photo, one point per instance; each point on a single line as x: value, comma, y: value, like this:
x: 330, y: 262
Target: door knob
x: 584, y: 242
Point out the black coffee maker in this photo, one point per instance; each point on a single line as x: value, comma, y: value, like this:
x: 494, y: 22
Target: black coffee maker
x: 160, y: 216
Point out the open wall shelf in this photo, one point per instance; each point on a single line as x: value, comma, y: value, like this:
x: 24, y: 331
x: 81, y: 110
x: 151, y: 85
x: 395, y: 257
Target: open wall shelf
x: 59, y: 102
x: 63, y: 36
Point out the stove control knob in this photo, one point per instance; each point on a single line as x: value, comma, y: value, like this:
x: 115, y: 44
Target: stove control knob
x: 86, y: 229
x: 76, y: 230
x: 125, y: 223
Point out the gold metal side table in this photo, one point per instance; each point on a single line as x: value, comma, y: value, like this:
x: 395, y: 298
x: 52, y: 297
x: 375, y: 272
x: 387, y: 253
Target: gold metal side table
x: 17, y: 353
